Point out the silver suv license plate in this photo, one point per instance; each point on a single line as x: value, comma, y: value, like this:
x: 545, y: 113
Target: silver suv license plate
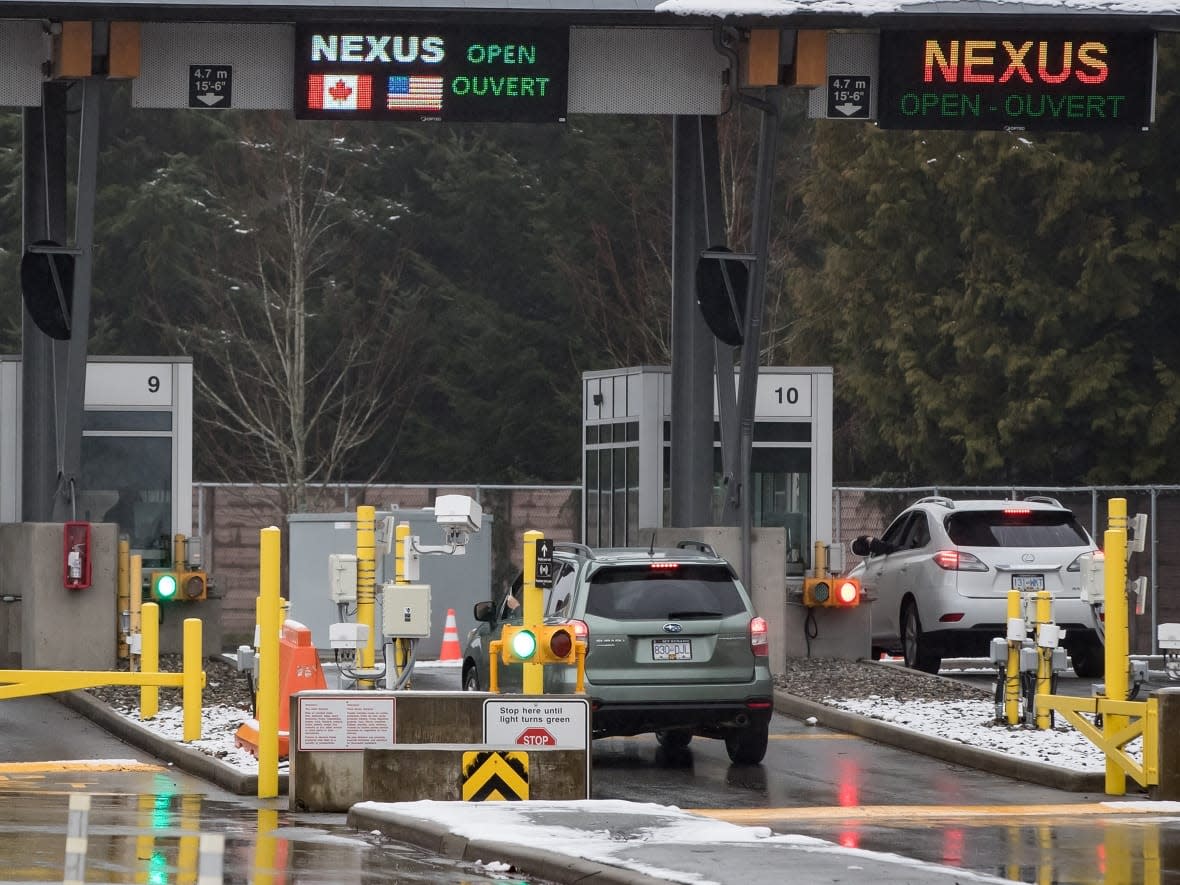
x: 663, y: 650
x: 1028, y: 583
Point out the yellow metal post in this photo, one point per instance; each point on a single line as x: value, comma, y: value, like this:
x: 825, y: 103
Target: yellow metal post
x: 149, y: 660
x: 1012, y: 674
x: 191, y: 686
x: 1117, y: 640
x: 268, y: 663
x: 123, y: 594
x: 135, y: 586
x: 401, y: 548
x: 366, y: 580
x: 534, y: 611
x: 1044, y: 656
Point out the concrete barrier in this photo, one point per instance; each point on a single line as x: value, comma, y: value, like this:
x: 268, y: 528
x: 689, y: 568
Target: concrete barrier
x: 385, y: 746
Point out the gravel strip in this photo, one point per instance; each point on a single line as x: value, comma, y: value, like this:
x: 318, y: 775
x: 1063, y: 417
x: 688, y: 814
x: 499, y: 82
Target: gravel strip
x: 816, y: 679
x: 822, y: 679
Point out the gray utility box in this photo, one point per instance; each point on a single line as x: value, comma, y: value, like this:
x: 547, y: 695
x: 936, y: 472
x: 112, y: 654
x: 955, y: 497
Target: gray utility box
x: 456, y: 582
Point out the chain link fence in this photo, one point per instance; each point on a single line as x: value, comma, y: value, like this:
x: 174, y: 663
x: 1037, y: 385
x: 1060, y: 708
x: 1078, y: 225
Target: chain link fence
x: 868, y: 511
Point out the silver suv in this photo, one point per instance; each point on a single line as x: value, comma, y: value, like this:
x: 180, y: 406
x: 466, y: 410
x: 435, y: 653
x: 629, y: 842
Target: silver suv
x: 673, y: 645
x: 942, y: 571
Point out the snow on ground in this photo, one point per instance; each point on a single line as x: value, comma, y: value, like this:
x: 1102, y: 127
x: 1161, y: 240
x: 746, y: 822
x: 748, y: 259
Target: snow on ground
x: 972, y: 723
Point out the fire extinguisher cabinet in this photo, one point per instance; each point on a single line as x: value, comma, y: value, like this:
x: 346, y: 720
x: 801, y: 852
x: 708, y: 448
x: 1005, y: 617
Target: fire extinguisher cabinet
x: 76, y: 556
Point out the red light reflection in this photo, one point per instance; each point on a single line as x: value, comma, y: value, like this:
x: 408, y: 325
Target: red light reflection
x: 952, y: 847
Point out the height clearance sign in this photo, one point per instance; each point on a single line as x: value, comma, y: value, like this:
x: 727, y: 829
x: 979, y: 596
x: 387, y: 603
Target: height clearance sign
x: 414, y: 72
x: 1001, y: 79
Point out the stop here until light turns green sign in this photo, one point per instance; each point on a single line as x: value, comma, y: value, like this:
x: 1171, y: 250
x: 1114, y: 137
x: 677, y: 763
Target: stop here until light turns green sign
x: 1022, y: 80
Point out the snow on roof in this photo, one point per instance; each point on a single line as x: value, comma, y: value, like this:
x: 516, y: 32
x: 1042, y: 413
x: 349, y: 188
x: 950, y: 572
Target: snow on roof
x: 868, y: 8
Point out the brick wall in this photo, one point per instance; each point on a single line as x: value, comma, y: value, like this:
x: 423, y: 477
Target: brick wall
x: 228, y: 519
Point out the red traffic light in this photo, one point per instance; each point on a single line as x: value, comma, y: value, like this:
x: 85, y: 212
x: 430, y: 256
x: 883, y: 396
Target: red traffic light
x: 561, y: 643
x: 847, y: 592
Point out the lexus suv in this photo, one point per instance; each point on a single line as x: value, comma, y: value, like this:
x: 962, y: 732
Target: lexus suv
x: 942, y: 571
x: 674, y: 646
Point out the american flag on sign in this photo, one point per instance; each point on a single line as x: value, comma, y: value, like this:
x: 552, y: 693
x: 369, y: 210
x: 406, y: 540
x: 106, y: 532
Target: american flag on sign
x: 339, y: 92
x: 414, y: 92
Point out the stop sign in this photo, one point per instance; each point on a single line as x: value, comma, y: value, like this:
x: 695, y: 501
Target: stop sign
x: 536, y: 737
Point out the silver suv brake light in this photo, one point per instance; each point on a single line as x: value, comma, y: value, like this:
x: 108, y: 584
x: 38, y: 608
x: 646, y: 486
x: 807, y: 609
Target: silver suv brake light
x: 959, y: 561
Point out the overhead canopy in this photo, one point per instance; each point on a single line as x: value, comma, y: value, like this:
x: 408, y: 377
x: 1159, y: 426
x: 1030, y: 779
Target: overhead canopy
x: 789, y: 13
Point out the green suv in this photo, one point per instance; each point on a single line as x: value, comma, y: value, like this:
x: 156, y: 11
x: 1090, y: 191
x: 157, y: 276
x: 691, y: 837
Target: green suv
x: 673, y: 645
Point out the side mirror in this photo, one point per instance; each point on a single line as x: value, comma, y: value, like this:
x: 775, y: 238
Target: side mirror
x: 484, y: 611
x: 863, y: 545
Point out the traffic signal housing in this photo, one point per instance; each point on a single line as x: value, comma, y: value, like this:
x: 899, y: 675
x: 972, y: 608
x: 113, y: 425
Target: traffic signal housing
x: 831, y: 592
x: 194, y: 585
x: 169, y: 585
x: 165, y: 585
x: 546, y: 644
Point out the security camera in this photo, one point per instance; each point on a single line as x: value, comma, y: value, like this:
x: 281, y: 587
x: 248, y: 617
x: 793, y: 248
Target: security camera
x: 457, y: 513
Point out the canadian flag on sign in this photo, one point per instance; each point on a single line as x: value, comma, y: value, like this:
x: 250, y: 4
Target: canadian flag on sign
x: 339, y: 92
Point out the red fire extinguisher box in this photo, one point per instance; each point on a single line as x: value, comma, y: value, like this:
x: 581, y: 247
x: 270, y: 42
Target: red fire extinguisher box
x: 76, y: 556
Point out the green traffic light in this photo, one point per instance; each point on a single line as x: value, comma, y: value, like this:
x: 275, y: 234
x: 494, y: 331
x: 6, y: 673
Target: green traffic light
x: 524, y: 644
x: 166, y: 585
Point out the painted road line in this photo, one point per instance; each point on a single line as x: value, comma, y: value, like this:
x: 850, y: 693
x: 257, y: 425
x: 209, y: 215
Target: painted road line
x: 78, y: 765
x: 820, y: 736
x: 931, y: 812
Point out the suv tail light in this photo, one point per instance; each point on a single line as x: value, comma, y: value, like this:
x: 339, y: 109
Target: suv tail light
x: 581, y: 630
x: 1076, y: 565
x: 959, y: 561
x: 759, y: 640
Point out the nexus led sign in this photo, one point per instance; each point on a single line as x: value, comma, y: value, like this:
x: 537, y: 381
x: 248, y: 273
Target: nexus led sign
x: 413, y: 72
x: 1016, y: 80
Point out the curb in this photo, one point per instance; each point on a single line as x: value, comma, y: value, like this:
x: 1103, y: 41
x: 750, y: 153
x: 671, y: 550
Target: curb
x: 533, y: 861
x: 939, y: 748
x: 185, y: 758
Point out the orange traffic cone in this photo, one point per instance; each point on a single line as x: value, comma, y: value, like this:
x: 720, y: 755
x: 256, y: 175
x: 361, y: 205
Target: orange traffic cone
x: 450, y: 644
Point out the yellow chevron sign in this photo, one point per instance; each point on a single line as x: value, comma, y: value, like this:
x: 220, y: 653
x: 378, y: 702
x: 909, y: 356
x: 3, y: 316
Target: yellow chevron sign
x: 493, y: 775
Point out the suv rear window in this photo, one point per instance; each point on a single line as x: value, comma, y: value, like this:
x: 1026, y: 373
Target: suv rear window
x: 640, y: 593
x: 1024, y: 528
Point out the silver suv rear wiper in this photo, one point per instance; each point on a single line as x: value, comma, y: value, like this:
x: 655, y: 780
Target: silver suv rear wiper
x: 694, y: 614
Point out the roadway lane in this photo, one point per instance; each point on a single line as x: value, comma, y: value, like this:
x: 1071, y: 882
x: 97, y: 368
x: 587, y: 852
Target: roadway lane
x: 146, y: 818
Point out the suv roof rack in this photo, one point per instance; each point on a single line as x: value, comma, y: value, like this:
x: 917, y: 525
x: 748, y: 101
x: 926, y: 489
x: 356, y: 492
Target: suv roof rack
x: 575, y: 547
x: 698, y: 545
x: 937, y: 499
x: 1043, y: 499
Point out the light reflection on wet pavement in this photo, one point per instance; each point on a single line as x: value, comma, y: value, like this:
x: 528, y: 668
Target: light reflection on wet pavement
x: 144, y: 828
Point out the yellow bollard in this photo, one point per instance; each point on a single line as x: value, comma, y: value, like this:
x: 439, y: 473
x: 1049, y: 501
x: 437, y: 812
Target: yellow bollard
x: 1044, y: 655
x: 149, y: 661
x: 401, y: 654
x: 135, y: 588
x: 1012, y: 675
x: 1117, y: 640
x: 366, y: 581
x: 268, y: 663
x: 123, y: 595
x: 534, y: 611
x: 193, y: 679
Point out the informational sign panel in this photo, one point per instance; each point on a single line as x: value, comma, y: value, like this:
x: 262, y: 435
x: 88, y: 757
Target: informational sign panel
x: 1011, y: 79
x: 408, y: 72
x: 543, y: 576
x: 346, y: 722
x: 210, y: 86
x: 537, y: 722
x: 848, y: 97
